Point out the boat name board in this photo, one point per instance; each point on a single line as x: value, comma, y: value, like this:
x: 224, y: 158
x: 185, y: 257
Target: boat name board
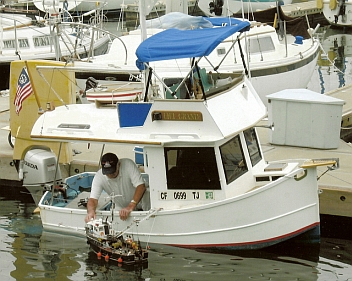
x: 177, y: 115
x: 186, y: 195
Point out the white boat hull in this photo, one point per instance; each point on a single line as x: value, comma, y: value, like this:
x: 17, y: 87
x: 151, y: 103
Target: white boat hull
x: 295, y: 75
x: 67, y: 47
x: 106, y: 5
x: 231, y: 7
x: 338, y: 13
x: 36, y: 43
x: 114, y: 98
x: 253, y: 220
x: 271, y: 71
x: 113, y: 93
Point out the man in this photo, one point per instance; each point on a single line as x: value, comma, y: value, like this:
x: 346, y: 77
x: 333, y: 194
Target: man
x: 121, y: 178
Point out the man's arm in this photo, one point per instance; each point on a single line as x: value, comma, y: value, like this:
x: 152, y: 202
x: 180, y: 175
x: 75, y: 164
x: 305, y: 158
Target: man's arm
x: 91, y: 207
x: 138, y: 194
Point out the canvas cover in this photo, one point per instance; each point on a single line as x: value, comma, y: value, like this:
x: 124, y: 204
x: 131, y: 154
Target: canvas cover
x: 177, y: 44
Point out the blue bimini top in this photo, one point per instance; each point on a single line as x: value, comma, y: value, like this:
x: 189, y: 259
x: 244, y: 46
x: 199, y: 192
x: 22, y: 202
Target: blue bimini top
x: 176, y: 44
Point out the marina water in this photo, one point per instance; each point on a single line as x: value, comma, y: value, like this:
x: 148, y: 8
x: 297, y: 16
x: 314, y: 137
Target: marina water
x: 28, y: 252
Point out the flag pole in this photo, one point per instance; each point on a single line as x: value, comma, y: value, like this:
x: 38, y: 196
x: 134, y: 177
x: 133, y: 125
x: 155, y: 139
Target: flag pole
x: 40, y: 109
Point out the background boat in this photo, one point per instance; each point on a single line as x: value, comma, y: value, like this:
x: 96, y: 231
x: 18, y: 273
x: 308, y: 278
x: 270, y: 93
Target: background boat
x: 51, y: 38
x: 54, y: 6
x: 337, y: 12
x: 110, y: 6
x: 230, y: 7
x: 274, y: 62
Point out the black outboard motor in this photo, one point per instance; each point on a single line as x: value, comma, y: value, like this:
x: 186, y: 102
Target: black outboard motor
x: 91, y: 83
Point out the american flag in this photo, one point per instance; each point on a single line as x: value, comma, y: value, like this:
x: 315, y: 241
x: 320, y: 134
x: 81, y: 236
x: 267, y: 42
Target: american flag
x: 24, y: 89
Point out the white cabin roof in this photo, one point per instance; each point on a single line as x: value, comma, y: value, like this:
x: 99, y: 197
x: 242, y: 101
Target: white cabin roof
x: 155, y: 122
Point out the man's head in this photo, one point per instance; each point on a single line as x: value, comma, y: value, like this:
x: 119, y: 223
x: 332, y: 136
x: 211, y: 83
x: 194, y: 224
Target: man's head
x: 109, y: 163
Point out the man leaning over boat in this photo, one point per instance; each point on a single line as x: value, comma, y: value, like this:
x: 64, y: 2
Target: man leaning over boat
x: 121, y: 178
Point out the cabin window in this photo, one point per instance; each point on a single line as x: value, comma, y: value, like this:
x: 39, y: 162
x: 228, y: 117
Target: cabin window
x: 42, y: 41
x: 173, y: 83
x: 11, y: 44
x: 260, y: 45
x: 191, y: 168
x: 221, y: 51
x: 253, y: 146
x: 233, y: 159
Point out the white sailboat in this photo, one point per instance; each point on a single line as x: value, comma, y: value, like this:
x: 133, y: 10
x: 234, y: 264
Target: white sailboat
x: 52, y: 39
x: 274, y: 63
x: 230, y: 7
x: 337, y: 13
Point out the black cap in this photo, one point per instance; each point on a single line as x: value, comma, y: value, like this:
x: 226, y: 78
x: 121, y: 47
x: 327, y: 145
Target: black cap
x: 108, y: 163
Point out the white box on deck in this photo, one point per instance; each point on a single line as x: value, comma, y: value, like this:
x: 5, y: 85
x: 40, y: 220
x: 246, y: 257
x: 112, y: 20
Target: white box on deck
x: 301, y: 117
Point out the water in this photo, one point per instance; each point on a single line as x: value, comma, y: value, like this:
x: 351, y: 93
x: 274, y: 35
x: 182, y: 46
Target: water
x: 337, y: 46
x: 28, y: 252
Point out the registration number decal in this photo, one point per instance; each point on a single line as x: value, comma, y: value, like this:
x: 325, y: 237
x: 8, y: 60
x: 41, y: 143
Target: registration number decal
x: 186, y: 195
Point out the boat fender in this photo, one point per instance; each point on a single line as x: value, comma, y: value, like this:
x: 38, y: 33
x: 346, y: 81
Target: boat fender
x: 320, y: 4
x: 333, y: 4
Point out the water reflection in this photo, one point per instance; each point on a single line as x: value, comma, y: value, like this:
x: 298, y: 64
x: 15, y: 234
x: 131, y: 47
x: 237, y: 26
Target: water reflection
x: 29, y: 252
x: 333, y: 69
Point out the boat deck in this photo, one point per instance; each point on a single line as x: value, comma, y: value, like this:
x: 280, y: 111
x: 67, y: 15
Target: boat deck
x: 301, y: 9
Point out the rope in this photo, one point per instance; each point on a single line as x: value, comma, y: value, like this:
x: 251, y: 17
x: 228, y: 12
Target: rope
x: 136, y: 222
x: 151, y: 229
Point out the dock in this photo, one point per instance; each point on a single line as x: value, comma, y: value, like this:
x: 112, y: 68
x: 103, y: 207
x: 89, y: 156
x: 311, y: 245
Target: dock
x: 335, y: 186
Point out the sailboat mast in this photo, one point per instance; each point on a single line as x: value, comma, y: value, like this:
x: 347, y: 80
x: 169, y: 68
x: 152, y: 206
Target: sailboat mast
x: 142, y: 20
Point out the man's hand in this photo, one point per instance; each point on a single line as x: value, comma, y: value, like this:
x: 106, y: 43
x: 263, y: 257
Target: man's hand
x: 91, y: 207
x: 90, y: 216
x: 125, y: 212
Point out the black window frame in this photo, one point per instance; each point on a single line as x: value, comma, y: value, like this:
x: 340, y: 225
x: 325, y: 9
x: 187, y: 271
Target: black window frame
x: 194, y: 168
